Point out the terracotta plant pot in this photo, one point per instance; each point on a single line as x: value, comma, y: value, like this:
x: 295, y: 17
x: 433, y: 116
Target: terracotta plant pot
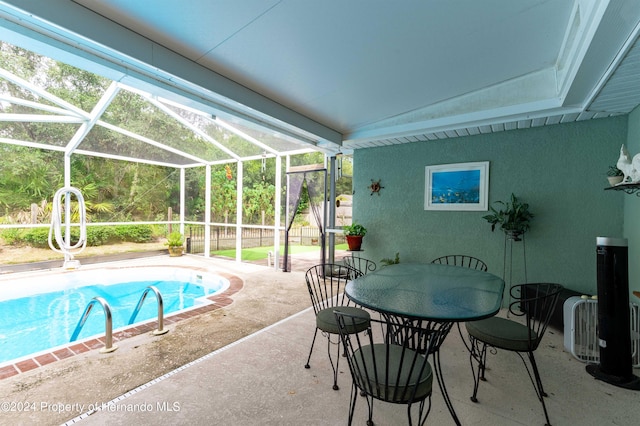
x: 354, y: 242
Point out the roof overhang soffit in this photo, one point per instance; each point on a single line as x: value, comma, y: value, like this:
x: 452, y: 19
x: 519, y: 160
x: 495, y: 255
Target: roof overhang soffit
x: 538, y: 94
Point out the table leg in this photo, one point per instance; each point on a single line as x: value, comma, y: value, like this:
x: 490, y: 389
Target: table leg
x: 437, y: 332
x: 443, y: 387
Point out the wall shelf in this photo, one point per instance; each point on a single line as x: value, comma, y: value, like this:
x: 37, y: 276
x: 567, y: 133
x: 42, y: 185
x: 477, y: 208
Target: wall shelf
x: 628, y: 188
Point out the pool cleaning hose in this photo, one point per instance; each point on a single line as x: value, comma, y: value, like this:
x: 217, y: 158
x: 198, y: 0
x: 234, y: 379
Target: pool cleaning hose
x: 64, y: 244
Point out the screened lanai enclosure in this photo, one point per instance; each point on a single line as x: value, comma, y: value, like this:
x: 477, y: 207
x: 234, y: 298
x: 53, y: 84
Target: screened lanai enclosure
x: 146, y: 164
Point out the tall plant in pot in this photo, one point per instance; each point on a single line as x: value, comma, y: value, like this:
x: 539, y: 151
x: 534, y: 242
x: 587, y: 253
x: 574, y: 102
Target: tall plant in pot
x: 175, y: 243
x: 354, y: 233
x: 512, y: 216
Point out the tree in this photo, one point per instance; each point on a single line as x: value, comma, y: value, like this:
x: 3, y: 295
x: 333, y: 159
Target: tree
x: 223, y: 194
x: 117, y: 190
x: 28, y: 176
x: 258, y: 199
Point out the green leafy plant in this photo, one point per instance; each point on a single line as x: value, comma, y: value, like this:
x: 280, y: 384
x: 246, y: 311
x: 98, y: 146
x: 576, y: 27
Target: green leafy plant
x: 614, y: 171
x: 354, y: 229
x: 389, y: 261
x: 513, y: 216
x: 11, y: 236
x: 134, y: 233
x: 39, y: 237
x: 175, y: 239
x: 96, y: 235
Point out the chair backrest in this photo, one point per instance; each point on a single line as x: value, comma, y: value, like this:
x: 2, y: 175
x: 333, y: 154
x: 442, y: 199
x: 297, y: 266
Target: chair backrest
x: 326, y: 283
x: 382, y: 362
x: 462, y: 260
x: 359, y: 263
x: 535, y: 304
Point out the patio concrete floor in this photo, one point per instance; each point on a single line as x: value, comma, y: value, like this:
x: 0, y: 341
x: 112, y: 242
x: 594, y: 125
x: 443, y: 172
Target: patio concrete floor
x: 261, y: 379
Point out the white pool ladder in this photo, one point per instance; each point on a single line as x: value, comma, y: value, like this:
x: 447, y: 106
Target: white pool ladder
x: 64, y: 245
x: 108, y: 324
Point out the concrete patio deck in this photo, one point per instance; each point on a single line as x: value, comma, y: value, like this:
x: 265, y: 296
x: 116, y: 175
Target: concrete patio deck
x: 261, y: 379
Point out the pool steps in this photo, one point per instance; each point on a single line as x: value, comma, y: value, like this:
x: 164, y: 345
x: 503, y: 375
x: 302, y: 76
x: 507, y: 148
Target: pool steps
x: 108, y: 321
x: 160, y: 330
x: 217, y: 301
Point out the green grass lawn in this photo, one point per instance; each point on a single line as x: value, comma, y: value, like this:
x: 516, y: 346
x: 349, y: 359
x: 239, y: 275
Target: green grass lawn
x: 259, y: 253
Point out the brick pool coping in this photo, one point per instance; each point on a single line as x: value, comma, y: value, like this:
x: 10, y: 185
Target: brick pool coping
x: 220, y: 300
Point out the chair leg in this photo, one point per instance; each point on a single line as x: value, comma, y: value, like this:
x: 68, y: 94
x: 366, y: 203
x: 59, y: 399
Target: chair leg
x: 334, y: 366
x: 370, y: 410
x: 352, y: 404
x: 313, y: 342
x: 478, y: 354
x: 422, y: 414
x: 538, y: 386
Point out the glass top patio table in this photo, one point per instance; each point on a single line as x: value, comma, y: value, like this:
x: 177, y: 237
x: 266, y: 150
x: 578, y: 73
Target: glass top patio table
x: 429, y: 291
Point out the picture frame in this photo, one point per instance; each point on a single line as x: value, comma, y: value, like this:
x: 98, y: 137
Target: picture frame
x: 459, y: 186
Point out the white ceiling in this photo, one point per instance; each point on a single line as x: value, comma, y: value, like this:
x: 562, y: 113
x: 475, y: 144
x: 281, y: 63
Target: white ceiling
x: 356, y: 73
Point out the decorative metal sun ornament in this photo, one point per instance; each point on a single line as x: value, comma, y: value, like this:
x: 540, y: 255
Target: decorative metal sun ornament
x: 375, y: 186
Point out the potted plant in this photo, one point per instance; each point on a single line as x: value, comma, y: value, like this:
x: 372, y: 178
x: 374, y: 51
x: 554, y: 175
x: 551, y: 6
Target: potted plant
x: 354, y: 233
x: 175, y: 243
x: 614, y: 175
x: 389, y: 261
x: 513, y: 217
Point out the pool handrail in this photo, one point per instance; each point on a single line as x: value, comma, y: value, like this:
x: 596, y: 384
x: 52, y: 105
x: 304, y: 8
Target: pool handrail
x: 108, y: 323
x: 146, y: 291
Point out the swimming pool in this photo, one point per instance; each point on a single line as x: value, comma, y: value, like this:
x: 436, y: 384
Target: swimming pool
x: 41, y: 312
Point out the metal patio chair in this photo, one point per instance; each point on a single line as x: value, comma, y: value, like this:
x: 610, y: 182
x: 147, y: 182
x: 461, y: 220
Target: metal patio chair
x: 384, y: 366
x: 461, y: 260
x: 362, y: 265
x: 326, y: 283
x: 466, y: 262
x: 532, y: 309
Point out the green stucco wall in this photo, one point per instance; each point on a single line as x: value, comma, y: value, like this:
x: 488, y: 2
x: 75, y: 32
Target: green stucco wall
x: 632, y: 208
x: 560, y: 170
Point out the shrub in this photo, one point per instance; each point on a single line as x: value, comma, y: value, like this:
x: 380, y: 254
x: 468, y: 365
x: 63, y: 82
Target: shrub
x: 37, y: 237
x: 96, y: 235
x: 134, y: 233
x: 11, y: 236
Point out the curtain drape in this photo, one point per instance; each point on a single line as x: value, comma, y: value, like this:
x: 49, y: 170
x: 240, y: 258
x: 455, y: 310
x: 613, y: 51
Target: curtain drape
x: 296, y: 182
x: 315, y: 181
x: 316, y: 188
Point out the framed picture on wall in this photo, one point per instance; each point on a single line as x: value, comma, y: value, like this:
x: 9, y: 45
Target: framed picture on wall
x: 460, y: 186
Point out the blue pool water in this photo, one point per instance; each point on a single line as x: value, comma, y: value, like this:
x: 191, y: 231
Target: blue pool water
x: 31, y: 323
